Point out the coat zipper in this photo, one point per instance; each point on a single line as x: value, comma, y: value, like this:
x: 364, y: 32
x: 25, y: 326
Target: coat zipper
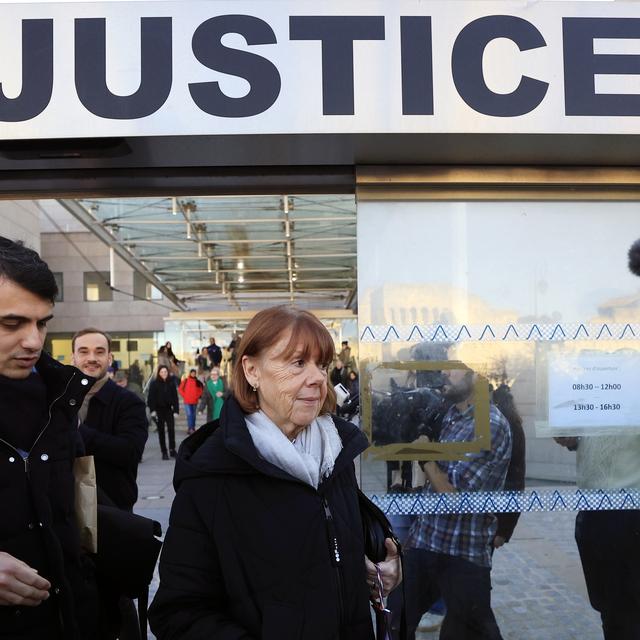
x: 336, y: 560
x: 25, y: 460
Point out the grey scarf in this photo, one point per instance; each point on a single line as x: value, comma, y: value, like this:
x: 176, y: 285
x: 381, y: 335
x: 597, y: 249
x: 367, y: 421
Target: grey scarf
x: 310, y: 458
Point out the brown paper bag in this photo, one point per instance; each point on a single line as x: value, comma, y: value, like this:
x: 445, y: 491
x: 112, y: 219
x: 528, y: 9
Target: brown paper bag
x: 86, y: 502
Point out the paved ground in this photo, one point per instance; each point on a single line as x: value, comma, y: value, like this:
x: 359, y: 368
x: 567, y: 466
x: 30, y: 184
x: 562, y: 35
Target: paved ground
x: 538, y: 588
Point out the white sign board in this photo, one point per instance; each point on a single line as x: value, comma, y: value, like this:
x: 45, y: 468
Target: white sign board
x: 221, y: 67
x: 594, y: 390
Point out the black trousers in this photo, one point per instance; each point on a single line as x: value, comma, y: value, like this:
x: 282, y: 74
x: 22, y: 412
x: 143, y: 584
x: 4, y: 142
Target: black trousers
x: 165, y: 417
x: 465, y: 587
x: 609, y: 546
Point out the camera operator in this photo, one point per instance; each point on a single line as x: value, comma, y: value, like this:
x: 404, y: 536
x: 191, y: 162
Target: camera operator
x: 405, y: 414
x: 449, y: 555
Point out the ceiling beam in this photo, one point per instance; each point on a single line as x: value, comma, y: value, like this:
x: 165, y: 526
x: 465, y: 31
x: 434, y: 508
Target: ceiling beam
x: 231, y: 256
x: 141, y: 241
x: 322, y: 314
x: 93, y: 225
x: 252, y: 282
x: 169, y: 272
x: 130, y: 222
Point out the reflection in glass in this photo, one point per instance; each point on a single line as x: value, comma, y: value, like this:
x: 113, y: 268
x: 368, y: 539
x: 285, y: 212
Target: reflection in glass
x: 536, y: 298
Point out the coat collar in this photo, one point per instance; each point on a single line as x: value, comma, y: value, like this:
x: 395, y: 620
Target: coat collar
x: 58, y: 377
x: 106, y: 392
x: 225, y: 446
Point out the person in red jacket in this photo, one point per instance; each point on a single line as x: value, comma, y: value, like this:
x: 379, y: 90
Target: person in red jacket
x: 191, y: 389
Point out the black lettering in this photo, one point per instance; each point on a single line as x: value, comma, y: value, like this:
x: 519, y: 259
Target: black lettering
x: 91, y: 70
x: 337, y: 34
x: 37, y: 73
x: 581, y: 65
x: 261, y: 74
x: 466, y: 64
x: 417, y: 65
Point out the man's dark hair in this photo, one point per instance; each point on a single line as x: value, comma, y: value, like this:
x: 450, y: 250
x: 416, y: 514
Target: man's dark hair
x: 88, y: 330
x: 25, y: 268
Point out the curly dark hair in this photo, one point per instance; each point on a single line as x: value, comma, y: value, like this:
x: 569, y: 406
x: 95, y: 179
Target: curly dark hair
x: 25, y: 267
x: 634, y: 258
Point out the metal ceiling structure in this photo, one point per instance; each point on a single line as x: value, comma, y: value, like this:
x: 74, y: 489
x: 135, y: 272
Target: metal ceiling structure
x: 234, y: 252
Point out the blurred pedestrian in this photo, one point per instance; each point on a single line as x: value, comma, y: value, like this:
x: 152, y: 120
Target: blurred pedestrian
x: 213, y: 395
x: 215, y: 353
x: 163, y: 404
x: 338, y: 374
x: 191, y: 389
x: 353, y: 384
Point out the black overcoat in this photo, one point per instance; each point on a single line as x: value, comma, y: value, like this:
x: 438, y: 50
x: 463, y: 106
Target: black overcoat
x: 163, y: 395
x: 115, y: 432
x: 253, y: 553
x: 37, y: 521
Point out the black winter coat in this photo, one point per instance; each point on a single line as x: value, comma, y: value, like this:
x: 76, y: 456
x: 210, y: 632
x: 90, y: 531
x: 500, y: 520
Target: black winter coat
x: 250, y: 553
x: 37, y: 521
x: 163, y: 395
x: 115, y: 432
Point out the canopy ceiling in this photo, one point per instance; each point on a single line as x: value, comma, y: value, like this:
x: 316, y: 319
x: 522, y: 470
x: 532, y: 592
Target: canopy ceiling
x: 234, y: 252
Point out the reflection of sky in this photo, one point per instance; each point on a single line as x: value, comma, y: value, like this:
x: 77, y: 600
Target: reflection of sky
x: 562, y: 260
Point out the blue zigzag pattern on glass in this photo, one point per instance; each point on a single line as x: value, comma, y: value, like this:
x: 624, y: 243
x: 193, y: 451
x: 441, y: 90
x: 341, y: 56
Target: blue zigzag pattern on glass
x: 507, y: 501
x: 448, y: 333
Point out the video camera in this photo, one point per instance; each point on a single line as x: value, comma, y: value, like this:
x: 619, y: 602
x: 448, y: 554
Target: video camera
x: 403, y: 414
x: 347, y: 405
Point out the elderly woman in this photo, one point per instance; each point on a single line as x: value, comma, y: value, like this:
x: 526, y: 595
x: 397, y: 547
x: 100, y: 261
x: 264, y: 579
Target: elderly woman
x: 212, y: 397
x: 265, y: 538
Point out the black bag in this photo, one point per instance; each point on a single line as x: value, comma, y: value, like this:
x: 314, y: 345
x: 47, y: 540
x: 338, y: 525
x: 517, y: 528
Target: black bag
x: 375, y: 529
x: 128, y: 549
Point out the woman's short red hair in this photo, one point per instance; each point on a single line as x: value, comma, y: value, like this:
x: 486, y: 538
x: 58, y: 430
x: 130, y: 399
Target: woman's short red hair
x: 264, y: 330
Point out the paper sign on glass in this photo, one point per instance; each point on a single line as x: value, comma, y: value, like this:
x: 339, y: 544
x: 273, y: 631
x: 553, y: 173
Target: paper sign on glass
x: 594, y: 390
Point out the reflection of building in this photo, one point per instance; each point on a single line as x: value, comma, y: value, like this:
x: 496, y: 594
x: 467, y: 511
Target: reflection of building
x: 622, y: 309
x: 126, y: 308
x: 19, y: 220
x: 425, y: 304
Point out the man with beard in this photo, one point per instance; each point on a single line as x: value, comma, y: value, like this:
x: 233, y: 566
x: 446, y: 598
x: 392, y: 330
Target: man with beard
x: 449, y: 555
x: 113, y: 420
x: 114, y: 430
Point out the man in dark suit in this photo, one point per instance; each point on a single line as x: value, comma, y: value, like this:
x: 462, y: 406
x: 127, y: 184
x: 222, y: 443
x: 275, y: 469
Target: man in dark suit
x: 113, y: 426
x: 113, y: 420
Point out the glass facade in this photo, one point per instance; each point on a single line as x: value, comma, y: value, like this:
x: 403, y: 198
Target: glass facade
x: 499, y: 353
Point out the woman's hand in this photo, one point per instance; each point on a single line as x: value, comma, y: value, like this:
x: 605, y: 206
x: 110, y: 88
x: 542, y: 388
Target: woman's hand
x: 390, y: 570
